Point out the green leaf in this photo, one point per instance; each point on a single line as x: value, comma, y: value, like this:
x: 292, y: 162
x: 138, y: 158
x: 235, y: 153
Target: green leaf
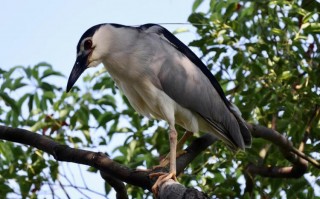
x: 83, y: 115
x: 43, y: 104
x: 231, y: 9
x: 5, y: 189
x: 28, y: 72
x: 22, y: 99
x: 107, y: 187
x: 74, y: 119
x: 42, y: 65
x: 312, y: 28
x: 105, y: 118
x: 308, y: 16
x: 30, y: 102
x: 35, y: 73
x: 50, y: 72
x: 6, y: 151
x: 2, y: 71
x: 180, y: 30
x: 11, y: 102
x: 49, y: 94
x: 6, y: 84
x: 18, y: 84
x: 37, y: 126
x: 46, y: 87
x: 286, y: 75
x: 96, y: 113
x: 63, y: 113
x: 12, y: 70
x: 24, y: 185
x: 107, y: 100
x: 277, y: 31
x: 54, y: 170
x: 197, y: 18
x: 75, y: 140
x: 311, y: 5
x: 92, y: 170
x: 196, y: 4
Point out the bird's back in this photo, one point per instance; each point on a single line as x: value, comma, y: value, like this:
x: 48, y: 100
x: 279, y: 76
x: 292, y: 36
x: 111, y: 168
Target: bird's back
x: 189, y: 84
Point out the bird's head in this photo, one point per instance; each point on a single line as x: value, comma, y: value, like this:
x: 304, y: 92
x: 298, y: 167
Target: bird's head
x: 89, y: 53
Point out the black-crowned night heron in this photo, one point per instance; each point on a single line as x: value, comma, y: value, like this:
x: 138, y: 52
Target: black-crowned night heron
x: 162, y: 78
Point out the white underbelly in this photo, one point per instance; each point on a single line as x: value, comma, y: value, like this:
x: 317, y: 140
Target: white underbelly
x: 150, y: 101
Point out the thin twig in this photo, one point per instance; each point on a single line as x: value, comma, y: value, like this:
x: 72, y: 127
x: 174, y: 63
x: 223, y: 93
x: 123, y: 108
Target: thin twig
x: 51, y: 189
x: 313, y: 117
x: 81, y: 175
x: 79, y: 187
x: 69, y: 181
x: 70, y: 171
x: 304, y: 156
x: 64, y: 190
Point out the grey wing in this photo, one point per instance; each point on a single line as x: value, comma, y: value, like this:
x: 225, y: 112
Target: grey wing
x: 188, y: 86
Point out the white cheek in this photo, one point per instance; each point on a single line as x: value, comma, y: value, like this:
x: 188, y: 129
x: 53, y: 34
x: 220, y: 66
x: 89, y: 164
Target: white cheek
x: 94, y: 59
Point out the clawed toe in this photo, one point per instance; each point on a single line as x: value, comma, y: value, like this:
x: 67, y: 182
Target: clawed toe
x: 163, y: 177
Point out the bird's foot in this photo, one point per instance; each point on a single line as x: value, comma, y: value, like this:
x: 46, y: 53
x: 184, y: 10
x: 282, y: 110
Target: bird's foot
x: 162, y: 178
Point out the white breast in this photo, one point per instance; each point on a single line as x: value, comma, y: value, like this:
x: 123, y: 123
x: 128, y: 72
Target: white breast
x: 150, y: 101
x: 135, y: 68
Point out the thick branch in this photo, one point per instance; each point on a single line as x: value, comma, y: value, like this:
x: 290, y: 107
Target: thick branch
x: 297, y: 158
x: 113, y: 172
x: 173, y: 190
x: 276, y: 172
x: 118, y: 185
x: 67, y: 154
x: 299, y: 165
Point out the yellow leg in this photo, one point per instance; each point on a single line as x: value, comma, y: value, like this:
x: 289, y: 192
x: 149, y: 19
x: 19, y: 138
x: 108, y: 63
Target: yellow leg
x: 179, y: 150
x: 173, y: 150
x: 172, y: 171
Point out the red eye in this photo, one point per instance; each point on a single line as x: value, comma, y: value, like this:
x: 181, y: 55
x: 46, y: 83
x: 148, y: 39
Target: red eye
x: 87, y: 44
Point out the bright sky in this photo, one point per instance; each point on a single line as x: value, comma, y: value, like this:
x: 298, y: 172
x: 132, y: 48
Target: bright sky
x: 36, y: 31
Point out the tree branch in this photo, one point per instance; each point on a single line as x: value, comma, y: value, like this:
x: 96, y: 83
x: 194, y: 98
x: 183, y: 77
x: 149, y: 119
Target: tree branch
x: 116, y: 173
x: 99, y: 160
x: 285, y: 146
x: 173, y: 190
x: 118, y: 185
x: 67, y: 154
x: 298, y: 168
x: 299, y: 165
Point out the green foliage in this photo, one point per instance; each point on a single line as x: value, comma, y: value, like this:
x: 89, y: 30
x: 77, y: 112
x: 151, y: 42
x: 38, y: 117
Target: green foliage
x: 29, y: 98
x: 266, y: 53
x: 266, y: 56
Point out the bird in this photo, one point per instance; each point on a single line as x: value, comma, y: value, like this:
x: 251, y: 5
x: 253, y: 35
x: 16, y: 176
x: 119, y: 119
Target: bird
x: 164, y: 79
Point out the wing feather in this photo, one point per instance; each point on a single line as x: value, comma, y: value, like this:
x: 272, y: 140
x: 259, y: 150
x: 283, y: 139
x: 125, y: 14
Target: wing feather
x: 190, y: 83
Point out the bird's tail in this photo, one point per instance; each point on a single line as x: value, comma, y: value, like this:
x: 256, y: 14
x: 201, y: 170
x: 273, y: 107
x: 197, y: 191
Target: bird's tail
x: 246, y: 135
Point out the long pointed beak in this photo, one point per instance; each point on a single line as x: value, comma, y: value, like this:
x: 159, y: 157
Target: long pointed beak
x: 79, y: 67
